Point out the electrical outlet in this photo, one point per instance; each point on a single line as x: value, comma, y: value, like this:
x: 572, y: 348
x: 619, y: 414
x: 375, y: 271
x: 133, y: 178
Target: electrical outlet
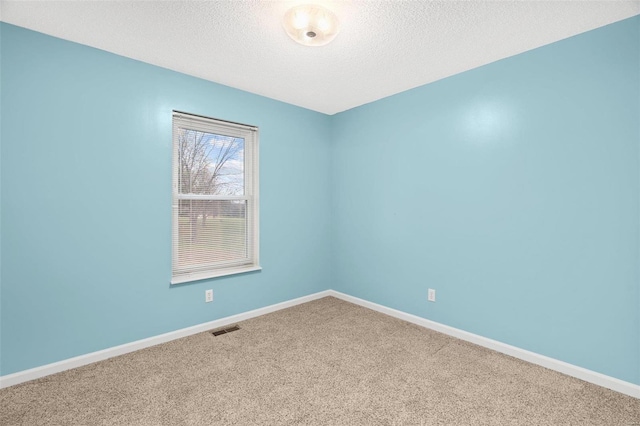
x: 431, y: 295
x: 208, y: 296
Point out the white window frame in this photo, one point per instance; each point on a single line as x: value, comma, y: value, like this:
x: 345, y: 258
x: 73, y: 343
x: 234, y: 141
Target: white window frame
x: 251, y: 192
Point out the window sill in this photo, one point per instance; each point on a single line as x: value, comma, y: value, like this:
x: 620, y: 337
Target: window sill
x: 214, y: 274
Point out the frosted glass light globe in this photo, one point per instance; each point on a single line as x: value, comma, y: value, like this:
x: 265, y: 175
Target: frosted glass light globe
x: 311, y: 25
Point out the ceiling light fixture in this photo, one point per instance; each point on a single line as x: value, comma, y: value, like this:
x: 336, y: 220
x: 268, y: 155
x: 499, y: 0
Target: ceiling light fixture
x: 311, y: 24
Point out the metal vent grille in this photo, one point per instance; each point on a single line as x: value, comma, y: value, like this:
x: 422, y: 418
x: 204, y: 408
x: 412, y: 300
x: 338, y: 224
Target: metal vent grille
x: 225, y: 330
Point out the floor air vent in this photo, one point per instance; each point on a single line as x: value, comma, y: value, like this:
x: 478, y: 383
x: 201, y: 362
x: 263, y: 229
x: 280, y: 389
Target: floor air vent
x: 225, y: 330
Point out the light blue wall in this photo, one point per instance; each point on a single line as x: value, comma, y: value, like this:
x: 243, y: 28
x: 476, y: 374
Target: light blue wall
x: 86, y: 196
x: 0, y: 196
x: 511, y: 189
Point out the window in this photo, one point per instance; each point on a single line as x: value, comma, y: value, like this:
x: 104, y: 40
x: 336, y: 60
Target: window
x: 215, y: 198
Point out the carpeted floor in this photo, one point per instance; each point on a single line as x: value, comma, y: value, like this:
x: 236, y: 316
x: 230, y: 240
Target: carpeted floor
x: 326, y: 362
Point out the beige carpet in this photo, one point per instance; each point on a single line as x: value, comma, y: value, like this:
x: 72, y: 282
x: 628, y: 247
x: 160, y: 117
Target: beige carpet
x: 326, y: 362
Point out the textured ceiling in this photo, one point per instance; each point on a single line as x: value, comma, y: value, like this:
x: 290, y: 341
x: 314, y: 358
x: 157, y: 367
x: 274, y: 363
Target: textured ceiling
x: 384, y: 47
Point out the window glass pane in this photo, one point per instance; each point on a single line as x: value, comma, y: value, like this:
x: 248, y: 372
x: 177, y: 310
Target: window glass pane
x: 210, y: 164
x: 211, y: 232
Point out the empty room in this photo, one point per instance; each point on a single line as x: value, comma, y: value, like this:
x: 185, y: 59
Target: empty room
x: 374, y: 212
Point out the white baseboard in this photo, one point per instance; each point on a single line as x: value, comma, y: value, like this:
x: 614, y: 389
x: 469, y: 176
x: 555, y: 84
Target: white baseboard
x: 599, y: 379
x: 78, y: 361
x: 532, y: 357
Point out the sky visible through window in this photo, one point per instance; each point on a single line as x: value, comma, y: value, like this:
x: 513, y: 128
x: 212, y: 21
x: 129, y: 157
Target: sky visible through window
x: 210, y: 163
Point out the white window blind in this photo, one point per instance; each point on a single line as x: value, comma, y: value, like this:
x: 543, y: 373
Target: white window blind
x: 215, y: 198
